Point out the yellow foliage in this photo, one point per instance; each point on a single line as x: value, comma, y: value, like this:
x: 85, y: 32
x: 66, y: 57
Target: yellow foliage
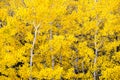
x: 59, y: 39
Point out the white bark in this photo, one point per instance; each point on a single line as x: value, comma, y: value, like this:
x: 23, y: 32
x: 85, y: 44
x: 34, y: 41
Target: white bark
x: 96, y: 50
x: 96, y: 0
x: 32, y: 49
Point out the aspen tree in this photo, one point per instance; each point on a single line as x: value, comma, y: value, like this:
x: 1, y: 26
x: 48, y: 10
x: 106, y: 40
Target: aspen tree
x: 96, y: 50
x: 32, y: 49
x: 76, y: 39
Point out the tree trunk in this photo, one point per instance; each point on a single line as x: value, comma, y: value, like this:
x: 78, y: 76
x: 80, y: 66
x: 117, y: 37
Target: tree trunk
x: 60, y: 64
x: 32, y: 49
x: 96, y: 51
x: 83, y: 67
x: 76, y: 71
x: 51, y: 49
x: 95, y: 59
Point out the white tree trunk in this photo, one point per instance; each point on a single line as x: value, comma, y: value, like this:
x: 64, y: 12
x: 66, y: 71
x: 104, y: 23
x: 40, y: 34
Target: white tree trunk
x: 96, y: 50
x: 32, y: 49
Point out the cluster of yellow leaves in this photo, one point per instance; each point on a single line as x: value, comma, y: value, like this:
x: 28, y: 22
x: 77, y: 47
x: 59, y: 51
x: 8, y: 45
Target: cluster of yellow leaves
x: 111, y: 73
x: 71, y: 25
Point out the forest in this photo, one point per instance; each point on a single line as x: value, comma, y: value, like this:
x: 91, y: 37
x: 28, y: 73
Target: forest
x: 59, y: 39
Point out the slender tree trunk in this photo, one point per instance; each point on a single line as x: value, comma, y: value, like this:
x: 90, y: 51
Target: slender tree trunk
x: 51, y: 36
x: 60, y: 60
x: 96, y: 51
x: 60, y: 64
x: 96, y: 55
x: 83, y: 67
x: 52, y: 56
x: 76, y: 71
x: 76, y: 65
x: 32, y: 49
x: 53, y: 62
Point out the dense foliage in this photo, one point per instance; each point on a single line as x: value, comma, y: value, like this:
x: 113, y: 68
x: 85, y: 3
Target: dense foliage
x: 60, y: 39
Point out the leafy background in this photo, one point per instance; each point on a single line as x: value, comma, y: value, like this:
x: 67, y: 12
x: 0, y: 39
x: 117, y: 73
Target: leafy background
x: 60, y: 39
